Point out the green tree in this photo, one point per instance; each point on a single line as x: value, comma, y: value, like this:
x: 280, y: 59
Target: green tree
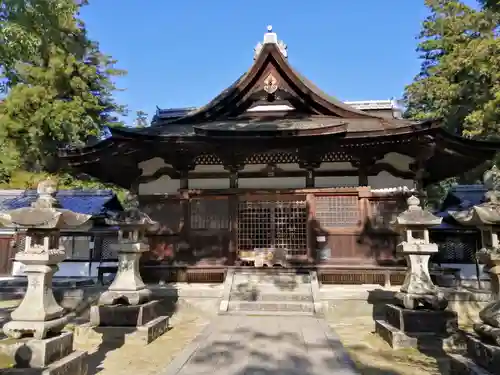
x: 459, y: 79
x: 60, y: 84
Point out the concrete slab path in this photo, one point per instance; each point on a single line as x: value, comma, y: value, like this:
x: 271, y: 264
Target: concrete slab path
x: 265, y: 345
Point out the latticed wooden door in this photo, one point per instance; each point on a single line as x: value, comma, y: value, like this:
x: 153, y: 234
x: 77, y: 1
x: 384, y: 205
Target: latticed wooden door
x: 273, y: 224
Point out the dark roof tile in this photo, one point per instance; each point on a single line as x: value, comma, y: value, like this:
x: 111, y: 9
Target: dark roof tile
x: 90, y: 202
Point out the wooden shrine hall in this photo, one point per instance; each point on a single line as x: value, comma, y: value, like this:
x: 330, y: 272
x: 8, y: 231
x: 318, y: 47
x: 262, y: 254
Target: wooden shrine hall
x: 274, y: 172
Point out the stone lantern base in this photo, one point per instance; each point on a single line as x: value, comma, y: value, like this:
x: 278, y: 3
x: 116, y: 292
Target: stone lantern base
x: 407, y: 328
x: 38, y: 329
x: 481, y: 359
x: 49, y: 356
x: 134, y: 324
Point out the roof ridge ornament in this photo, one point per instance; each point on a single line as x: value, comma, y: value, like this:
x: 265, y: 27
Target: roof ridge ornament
x: 270, y: 37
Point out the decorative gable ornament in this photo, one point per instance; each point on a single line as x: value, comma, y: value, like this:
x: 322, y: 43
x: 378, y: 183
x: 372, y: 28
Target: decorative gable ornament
x: 270, y: 38
x: 270, y: 84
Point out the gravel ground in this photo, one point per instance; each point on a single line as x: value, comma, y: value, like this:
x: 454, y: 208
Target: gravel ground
x: 373, y: 356
x: 187, y: 322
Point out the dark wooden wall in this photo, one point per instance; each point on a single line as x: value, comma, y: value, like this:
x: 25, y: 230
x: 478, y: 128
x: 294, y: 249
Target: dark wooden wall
x: 201, y: 228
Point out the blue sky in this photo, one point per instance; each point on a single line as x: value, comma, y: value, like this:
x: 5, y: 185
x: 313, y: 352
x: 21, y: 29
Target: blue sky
x: 183, y: 53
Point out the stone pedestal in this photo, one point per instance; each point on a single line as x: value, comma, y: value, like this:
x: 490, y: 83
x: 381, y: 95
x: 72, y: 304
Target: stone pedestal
x: 404, y: 328
x: 134, y: 324
x: 481, y: 359
x: 125, y: 311
x: 418, y: 288
x: 39, y: 313
x: 483, y: 348
x: 491, y: 263
x: 49, y: 356
x: 127, y: 287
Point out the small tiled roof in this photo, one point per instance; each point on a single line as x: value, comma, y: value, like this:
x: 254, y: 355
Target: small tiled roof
x: 90, y: 202
x: 463, y: 197
x: 460, y: 197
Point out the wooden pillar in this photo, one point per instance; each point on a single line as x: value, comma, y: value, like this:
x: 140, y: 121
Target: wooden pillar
x: 363, y: 163
x: 184, y: 202
x: 185, y: 207
x: 426, y: 150
x: 312, y: 229
x: 183, y: 179
x: 310, y: 165
x: 233, y: 179
x: 233, y: 167
x: 362, y: 175
x: 233, y: 229
x: 310, y: 177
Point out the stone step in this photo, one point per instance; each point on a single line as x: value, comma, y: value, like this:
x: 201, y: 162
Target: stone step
x: 269, y: 289
x: 268, y: 313
x: 270, y: 297
x: 282, y: 280
x: 271, y: 307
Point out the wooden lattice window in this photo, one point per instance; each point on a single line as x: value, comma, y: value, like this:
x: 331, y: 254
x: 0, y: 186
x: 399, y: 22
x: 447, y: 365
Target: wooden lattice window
x: 104, y: 248
x: 455, y: 247
x: 384, y: 212
x: 209, y: 213
x: 337, y: 211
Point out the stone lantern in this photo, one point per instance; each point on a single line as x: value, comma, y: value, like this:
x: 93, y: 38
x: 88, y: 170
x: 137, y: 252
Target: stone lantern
x: 127, y: 286
x: 418, y: 288
x: 483, y: 347
x: 486, y: 218
x: 126, y: 308
x: 419, y: 311
x: 39, y: 314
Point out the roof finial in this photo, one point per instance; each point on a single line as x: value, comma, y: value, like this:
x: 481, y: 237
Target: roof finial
x: 270, y: 37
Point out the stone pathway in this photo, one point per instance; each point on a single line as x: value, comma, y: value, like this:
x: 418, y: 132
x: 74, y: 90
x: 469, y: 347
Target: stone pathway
x: 250, y: 345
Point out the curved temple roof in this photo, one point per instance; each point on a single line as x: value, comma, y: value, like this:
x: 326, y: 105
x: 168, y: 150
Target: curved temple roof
x: 272, y: 106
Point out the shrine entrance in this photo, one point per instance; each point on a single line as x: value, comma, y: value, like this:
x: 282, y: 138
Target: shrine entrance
x: 272, y: 230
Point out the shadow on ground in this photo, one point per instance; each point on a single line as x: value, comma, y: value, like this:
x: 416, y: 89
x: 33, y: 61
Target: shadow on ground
x: 247, y: 350
x: 111, y: 342
x: 431, y: 347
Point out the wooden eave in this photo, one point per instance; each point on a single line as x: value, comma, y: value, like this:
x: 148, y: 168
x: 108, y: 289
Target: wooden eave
x: 125, y: 141
x: 203, y: 131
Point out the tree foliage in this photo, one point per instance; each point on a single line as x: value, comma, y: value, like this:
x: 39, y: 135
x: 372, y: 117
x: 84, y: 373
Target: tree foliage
x: 459, y: 80
x: 60, y: 87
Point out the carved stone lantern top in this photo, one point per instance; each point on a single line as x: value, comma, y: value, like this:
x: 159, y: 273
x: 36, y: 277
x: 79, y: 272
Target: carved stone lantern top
x: 487, y: 213
x: 45, y: 213
x: 133, y: 224
x: 132, y: 219
x: 43, y: 222
x: 416, y: 216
